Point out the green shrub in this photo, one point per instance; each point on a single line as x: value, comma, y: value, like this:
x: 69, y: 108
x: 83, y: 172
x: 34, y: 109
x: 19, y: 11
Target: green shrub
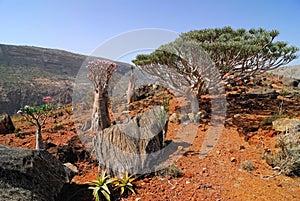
x: 18, y: 133
x: 172, y: 171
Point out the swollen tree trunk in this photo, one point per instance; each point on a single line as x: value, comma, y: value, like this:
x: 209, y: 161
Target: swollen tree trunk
x: 100, y: 115
x: 39, y: 140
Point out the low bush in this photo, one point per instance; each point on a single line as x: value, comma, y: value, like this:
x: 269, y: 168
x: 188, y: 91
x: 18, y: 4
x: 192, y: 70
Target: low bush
x: 248, y: 165
x: 287, y: 158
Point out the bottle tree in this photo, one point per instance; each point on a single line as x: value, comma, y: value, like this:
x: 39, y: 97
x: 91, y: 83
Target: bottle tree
x: 37, y: 115
x: 100, y: 74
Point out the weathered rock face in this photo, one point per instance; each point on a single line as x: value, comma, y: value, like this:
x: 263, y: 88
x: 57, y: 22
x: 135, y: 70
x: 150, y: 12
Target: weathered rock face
x: 134, y: 146
x: 27, y: 74
x: 6, y: 125
x: 30, y: 175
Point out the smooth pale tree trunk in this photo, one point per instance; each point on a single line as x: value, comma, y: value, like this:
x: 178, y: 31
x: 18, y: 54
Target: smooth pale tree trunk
x: 100, y: 115
x: 39, y: 140
x: 131, y: 88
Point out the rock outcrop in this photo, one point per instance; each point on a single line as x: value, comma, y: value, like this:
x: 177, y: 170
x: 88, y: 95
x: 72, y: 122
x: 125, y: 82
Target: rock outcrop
x: 6, y: 124
x: 30, y: 175
x: 134, y: 146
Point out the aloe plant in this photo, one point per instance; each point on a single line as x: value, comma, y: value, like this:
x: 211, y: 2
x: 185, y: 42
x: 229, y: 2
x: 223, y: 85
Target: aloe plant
x: 101, y: 184
x: 124, y: 184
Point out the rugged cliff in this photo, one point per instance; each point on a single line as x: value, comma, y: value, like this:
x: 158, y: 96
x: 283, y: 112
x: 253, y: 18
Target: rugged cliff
x: 29, y: 73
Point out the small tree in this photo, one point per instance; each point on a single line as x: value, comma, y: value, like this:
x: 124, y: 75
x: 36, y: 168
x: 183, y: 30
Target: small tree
x: 37, y: 116
x: 100, y: 74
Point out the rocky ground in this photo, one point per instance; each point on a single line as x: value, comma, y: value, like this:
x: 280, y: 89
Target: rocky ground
x: 234, y: 170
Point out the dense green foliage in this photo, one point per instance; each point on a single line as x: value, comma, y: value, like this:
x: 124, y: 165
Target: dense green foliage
x: 236, y: 54
x: 243, y: 51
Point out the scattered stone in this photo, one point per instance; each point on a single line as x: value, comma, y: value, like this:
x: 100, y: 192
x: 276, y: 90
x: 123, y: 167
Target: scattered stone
x: 201, y: 115
x: 204, y: 186
x: 189, y: 174
x: 191, y: 115
x: 174, y: 118
x: 236, y: 115
x: 242, y: 147
x: 232, y: 159
x: 6, y: 124
x: 71, y: 167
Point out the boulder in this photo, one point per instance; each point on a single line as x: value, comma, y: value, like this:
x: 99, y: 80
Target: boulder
x: 285, y: 124
x: 70, y: 152
x: 6, y: 124
x: 134, y: 146
x: 30, y: 175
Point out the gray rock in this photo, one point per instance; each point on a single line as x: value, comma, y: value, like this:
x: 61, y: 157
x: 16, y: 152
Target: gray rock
x: 6, y: 125
x: 174, y: 118
x: 285, y: 124
x: 134, y: 146
x: 71, y: 167
x: 30, y: 175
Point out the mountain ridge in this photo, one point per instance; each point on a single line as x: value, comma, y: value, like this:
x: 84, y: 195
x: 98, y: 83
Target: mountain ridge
x: 28, y: 73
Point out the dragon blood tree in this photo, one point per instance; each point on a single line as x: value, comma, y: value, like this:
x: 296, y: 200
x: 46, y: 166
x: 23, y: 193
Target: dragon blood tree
x: 100, y: 74
x: 37, y: 115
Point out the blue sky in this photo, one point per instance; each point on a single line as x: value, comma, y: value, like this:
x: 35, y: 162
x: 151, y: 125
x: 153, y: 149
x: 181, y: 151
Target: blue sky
x: 81, y: 26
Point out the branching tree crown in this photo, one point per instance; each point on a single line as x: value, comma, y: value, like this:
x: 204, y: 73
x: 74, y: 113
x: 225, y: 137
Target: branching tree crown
x: 235, y: 53
x: 239, y: 53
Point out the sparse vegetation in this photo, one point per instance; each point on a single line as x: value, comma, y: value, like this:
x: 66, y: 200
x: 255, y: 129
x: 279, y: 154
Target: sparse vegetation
x: 124, y: 184
x: 248, y: 165
x: 17, y: 132
x: 171, y: 171
x: 166, y: 102
x: 104, y: 186
x: 287, y: 158
x: 101, y: 187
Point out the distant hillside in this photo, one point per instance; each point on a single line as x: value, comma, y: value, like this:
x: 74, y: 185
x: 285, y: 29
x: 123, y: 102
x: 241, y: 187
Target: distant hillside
x: 29, y: 73
x: 289, y: 71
